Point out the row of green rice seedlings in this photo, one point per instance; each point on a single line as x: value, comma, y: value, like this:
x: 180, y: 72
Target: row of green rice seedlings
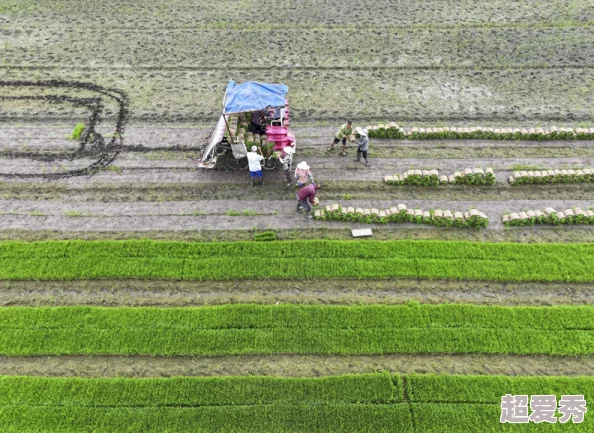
x: 549, y: 216
x: 392, y: 130
x: 401, y: 214
x: 469, y: 176
x: 238, y: 128
x: 236, y: 329
x: 552, y: 176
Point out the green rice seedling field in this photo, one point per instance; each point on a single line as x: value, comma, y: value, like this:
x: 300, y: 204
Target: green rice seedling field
x: 252, y: 329
x: 142, y: 293
x: 463, y: 260
x: 378, y: 402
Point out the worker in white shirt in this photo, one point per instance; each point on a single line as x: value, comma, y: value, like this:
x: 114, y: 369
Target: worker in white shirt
x: 255, y: 164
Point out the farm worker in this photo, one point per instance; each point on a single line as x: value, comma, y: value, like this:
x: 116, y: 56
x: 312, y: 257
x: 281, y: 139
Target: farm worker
x: 287, y: 159
x: 362, y: 144
x: 277, y: 113
x: 341, y: 135
x: 307, y: 196
x: 255, y: 164
x: 258, y: 123
x: 302, y: 174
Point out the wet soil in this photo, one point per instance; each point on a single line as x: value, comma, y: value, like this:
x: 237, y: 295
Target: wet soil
x: 155, y: 191
x: 327, y: 292
x: 294, y: 365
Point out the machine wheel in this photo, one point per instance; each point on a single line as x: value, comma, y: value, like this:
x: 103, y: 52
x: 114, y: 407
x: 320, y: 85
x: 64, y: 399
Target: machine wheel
x: 269, y: 164
x: 236, y: 164
x: 222, y: 148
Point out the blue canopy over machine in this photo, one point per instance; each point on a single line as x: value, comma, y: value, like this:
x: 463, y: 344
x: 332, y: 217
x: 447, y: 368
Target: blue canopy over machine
x: 241, y: 98
x: 253, y: 96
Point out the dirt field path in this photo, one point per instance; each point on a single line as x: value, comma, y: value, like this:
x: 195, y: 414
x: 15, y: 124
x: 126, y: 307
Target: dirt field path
x: 188, y: 137
x: 136, y: 168
x: 164, y: 293
x: 293, y: 365
x: 215, y: 215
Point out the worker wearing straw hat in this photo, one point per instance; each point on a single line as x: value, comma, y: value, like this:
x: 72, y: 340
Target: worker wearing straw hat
x: 362, y: 144
x: 286, y: 157
x: 302, y: 174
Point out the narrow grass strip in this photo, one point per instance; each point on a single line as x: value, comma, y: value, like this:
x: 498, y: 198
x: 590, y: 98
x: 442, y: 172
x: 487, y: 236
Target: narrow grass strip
x: 260, y: 329
x: 457, y: 418
x: 372, y: 388
x: 432, y: 388
x: 350, y: 403
x: 457, y: 403
x: 200, y: 391
x: 69, y: 260
x: 323, y: 418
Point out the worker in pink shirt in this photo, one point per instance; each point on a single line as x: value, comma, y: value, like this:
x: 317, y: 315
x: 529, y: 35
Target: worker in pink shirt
x: 302, y: 174
x: 306, y: 196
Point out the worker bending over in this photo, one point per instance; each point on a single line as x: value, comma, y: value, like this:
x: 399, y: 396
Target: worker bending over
x: 306, y: 196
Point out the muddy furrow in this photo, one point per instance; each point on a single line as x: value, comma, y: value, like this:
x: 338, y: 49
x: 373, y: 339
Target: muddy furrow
x: 268, y: 215
x: 293, y: 365
x: 131, y: 171
x: 170, y: 293
x: 139, y: 140
x: 333, y: 191
x: 248, y: 208
x: 543, y: 234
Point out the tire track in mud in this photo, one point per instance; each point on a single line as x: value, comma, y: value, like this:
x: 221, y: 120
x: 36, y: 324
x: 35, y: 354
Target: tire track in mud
x: 91, y: 142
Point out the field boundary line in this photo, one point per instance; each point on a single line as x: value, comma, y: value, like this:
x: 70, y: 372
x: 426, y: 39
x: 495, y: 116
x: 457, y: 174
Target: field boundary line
x: 297, y: 68
x: 346, y: 27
